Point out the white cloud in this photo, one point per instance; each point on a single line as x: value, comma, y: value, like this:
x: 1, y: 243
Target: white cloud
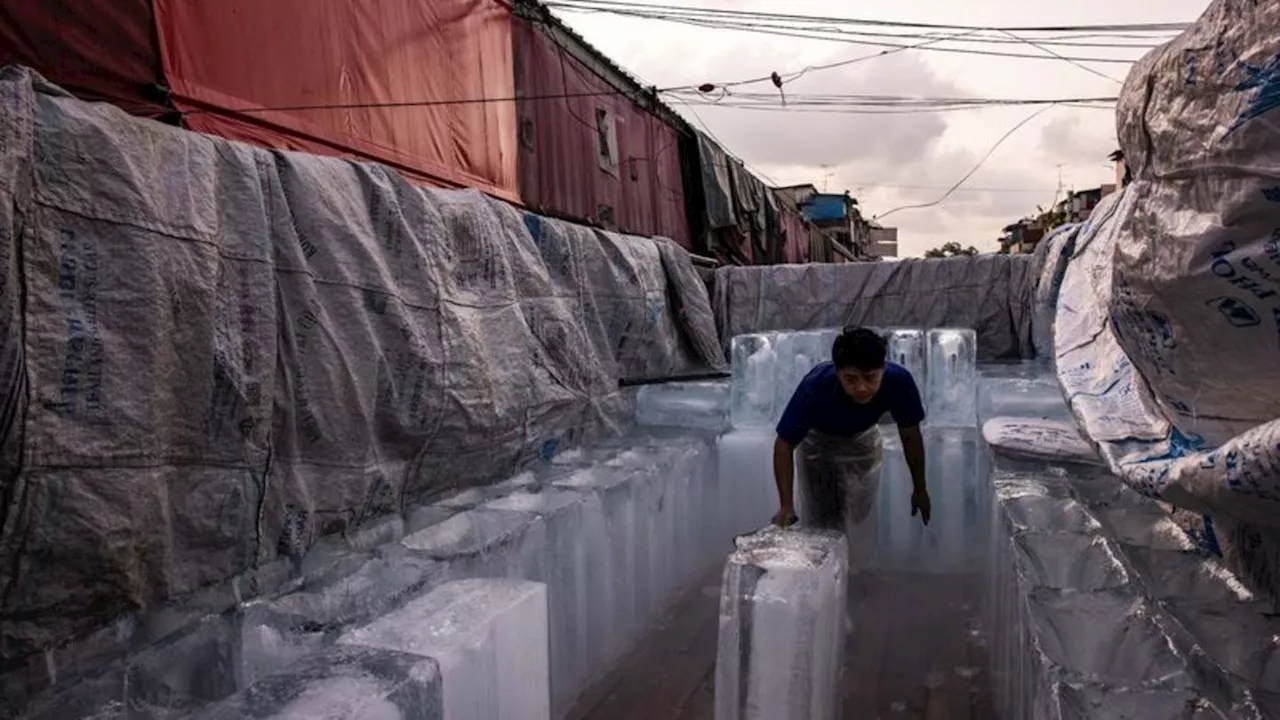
x: 892, y: 160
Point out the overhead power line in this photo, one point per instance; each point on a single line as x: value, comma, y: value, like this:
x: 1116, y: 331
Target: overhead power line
x: 932, y: 45
x: 883, y: 186
x: 950, y: 191
x: 603, y: 5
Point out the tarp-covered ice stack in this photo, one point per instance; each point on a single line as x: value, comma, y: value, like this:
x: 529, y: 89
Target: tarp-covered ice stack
x: 1102, y: 607
x: 991, y: 294
x: 1168, y: 324
x: 213, y: 355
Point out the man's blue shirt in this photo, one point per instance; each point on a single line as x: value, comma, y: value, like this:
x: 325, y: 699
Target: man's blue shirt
x: 819, y: 403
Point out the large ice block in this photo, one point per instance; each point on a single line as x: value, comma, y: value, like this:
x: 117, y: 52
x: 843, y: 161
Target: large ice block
x: 343, y: 683
x: 796, y: 353
x: 483, y: 543
x: 753, y: 360
x: 489, y: 638
x: 694, y: 405
x: 908, y: 348
x: 951, y: 381
x: 748, y: 494
x: 580, y: 596
x: 782, y: 615
x: 1035, y: 398
x: 957, y: 474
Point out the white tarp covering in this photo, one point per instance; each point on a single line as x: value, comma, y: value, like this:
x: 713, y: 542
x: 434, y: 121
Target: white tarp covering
x: 1168, y: 322
x: 989, y: 293
x: 213, y: 354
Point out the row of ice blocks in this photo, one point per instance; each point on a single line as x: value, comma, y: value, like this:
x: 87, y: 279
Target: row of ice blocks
x: 615, y: 533
x: 767, y: 368
x: 1100, y: 607
x: 470, y: 649
x: 781, y: 635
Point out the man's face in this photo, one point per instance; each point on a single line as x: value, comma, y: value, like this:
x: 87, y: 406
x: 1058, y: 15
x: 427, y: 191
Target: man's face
x: 860, y: 385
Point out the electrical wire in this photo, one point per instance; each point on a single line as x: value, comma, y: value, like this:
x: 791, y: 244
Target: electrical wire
x: 776, y: 32
x: 862, y: 21
x: 707, y: 130
x: 883, y: 186
x: 950, y: 191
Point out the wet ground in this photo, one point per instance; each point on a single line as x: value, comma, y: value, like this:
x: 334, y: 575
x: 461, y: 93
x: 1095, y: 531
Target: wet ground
x: 913, y: 654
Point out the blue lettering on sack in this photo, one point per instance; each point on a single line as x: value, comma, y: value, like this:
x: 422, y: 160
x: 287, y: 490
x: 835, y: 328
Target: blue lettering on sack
x: 549, y: 448
x: 1264, y: 82
x: 534, y: 225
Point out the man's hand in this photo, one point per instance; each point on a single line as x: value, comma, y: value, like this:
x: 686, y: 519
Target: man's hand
x: 785, y: 517
x: 920, y: 504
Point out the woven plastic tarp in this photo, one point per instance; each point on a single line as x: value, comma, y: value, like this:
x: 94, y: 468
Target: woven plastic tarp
x: 213, y: 354
x: 1168, y: 323
x: 989, y: 293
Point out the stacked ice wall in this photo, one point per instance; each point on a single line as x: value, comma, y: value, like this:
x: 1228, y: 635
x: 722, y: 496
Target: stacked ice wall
x: 611, y: 533
x: 1102, y: 607
x: 990, y: 293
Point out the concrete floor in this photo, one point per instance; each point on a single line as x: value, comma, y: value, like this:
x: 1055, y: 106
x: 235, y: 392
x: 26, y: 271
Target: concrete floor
x: 912, y: 655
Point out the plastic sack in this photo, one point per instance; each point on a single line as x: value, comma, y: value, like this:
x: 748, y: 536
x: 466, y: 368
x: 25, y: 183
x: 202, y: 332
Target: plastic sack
x: 838, y: 480
x: 1167, y: 335
x: 1052, y: 256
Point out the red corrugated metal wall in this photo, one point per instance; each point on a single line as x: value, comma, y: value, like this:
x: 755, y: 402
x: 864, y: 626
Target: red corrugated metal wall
x: 443, y: 55
x: 797, y: 230
x: 97, y: 49
x: 559, y: 168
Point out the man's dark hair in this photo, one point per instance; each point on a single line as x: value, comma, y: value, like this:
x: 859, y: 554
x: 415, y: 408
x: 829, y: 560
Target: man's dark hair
x: 860, y: 348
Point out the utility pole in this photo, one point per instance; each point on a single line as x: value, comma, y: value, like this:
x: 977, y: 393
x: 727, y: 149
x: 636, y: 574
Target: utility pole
x: 1058, y: 192
x: 826, y: 176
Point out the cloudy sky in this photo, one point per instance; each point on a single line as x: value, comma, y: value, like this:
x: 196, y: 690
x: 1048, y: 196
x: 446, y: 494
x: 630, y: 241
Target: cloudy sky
x: 891, y: 160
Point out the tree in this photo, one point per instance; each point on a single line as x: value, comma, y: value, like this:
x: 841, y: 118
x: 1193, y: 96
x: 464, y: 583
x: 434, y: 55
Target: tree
x: 951, y: 249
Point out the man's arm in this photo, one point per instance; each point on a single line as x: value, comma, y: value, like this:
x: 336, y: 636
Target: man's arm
x: 913, y: 450
x: 784, y: 474
x: 792, y: 428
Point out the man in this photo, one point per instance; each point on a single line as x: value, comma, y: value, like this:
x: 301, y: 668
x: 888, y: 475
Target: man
x: 832, y: 419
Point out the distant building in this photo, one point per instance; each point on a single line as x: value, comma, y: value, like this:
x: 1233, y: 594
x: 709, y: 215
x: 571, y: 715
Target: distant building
x: 884, y: 241
x: 837, y: 219
x: 1079, y: 205
x: 1024, y: 235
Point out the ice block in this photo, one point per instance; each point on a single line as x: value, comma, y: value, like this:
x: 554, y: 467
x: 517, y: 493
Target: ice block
x: 694, y: 405
x: 908, y: 348
x: 782, y: 620
x: 343, y: 683
x: 1035, y: 398
x: 796, y: 353
x: 753, y: 360
x: 951, y: 382
x: 580, y: 596
x: 749, y: 496
x: 489, y: 638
